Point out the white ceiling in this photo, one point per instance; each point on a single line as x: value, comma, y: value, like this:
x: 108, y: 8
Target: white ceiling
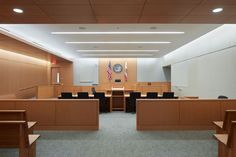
x: 41, y: 34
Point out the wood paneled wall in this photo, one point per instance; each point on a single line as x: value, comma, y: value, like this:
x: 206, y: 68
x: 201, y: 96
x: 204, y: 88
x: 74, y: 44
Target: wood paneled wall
x: 22, y: 66
x: 66, y: 72
x: 132, y: 70
x: 17, y: 73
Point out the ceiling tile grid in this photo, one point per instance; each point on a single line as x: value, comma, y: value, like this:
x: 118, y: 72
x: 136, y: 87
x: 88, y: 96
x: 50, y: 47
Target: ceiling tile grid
x: 117, y: 11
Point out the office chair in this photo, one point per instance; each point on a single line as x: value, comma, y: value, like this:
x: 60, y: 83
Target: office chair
x: 93, y: 90
x: 152, y: 95
x: 132, y: 101
x: 168, y: 95
x: 222, y: 97
x: 103, y: 106
x: 82, y: 95
x: 66, y: 95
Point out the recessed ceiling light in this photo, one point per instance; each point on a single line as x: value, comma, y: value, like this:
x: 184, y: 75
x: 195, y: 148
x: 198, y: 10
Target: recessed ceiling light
x: 117, y: 50
x: 111, y: 33
x: 118, y: 42
x: 217, y: 10
x: 17, y: 10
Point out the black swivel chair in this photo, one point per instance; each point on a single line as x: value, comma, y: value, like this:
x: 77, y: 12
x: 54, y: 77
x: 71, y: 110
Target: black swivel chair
x: 152, y: 95
x: 168, y: 95
x: 132, y: 101
x: 82, y: 95
x: 103, y: 106
x: 66, y: 95
x: 222, y: 97
x: 93, y: 90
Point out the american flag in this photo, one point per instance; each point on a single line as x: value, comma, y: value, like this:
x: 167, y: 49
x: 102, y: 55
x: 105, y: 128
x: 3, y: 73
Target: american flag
x: 109, y: 71
x: 126, y: 72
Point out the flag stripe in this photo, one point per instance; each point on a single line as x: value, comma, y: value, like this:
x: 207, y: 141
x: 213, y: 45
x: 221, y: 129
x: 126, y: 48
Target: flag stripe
x: 109, y: 71
x: 126, y: 72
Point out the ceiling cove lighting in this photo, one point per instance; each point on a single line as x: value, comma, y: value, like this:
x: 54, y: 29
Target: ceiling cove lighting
x: 117, y: 50
x: 110, y: 33
x: 119, y: 42
x: 217, y: 10
x: 18, y: 10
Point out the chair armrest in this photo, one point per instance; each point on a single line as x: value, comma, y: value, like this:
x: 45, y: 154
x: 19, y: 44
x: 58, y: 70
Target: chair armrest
x: 219, y: 124
x: 33, y: 138
x: 223, y: 138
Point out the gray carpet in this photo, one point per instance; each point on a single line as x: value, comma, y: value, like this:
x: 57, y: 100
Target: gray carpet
x: 118, y: 137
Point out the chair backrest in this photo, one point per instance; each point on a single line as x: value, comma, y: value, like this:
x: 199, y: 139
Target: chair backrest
x: 99, y: 95
x: 13, y: 134
x: 168, y: 95
x: 93, y: 90
x: 135, y: 95
x: 152, y: 95
x: 66, y: 95
x: 82, y: 95
x: 230, y: 115
x: 13, y: 115
x: 222, y: 97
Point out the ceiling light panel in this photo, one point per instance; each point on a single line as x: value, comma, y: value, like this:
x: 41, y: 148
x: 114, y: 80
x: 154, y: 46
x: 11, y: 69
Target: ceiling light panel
x: 117, y: 50
x: 116, y: 55
x: 112, y: 33
x: 118, y: 42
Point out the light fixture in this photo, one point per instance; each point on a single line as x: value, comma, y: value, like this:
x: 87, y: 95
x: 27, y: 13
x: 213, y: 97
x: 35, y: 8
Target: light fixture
x: 117, y: 50
x: 217, y: 10
x: 110, y: 33
x: 18, y: 10
x: 118, y: 42
x: 117, y: 55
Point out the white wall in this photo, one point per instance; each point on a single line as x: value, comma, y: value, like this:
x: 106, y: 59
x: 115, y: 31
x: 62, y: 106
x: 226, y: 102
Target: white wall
x: 208, y: 64
x: 85, y: 71
x: 150, y: 70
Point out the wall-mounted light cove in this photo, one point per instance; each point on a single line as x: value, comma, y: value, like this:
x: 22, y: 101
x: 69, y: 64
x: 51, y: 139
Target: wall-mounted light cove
x: 18, y: 10
x: 217, y: 10
x: 108, y: 33
x: 14, y: 56
x: 117, y: 50
x: 118, y: 42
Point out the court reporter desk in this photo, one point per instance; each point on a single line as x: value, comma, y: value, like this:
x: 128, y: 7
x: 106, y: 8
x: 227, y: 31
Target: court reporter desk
x: 58, y: 114
x: 181, y: 114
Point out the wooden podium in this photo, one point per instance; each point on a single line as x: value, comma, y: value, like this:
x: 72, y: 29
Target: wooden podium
x: 118, y: 99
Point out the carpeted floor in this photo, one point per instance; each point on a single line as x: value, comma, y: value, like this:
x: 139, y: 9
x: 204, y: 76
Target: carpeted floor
x: 118, y: 137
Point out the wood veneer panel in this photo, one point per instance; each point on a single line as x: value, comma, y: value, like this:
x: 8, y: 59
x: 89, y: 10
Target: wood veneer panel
x: 199, y: 112
x: 132, y: 70
x: 42, y: 111
x: 7, y: 105
x: 227, y: 105
x: 161, y: 112
x: 77, y: 113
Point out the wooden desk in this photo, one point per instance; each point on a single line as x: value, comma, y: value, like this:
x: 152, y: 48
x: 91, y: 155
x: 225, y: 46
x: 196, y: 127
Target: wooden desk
x: 118, y: 100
